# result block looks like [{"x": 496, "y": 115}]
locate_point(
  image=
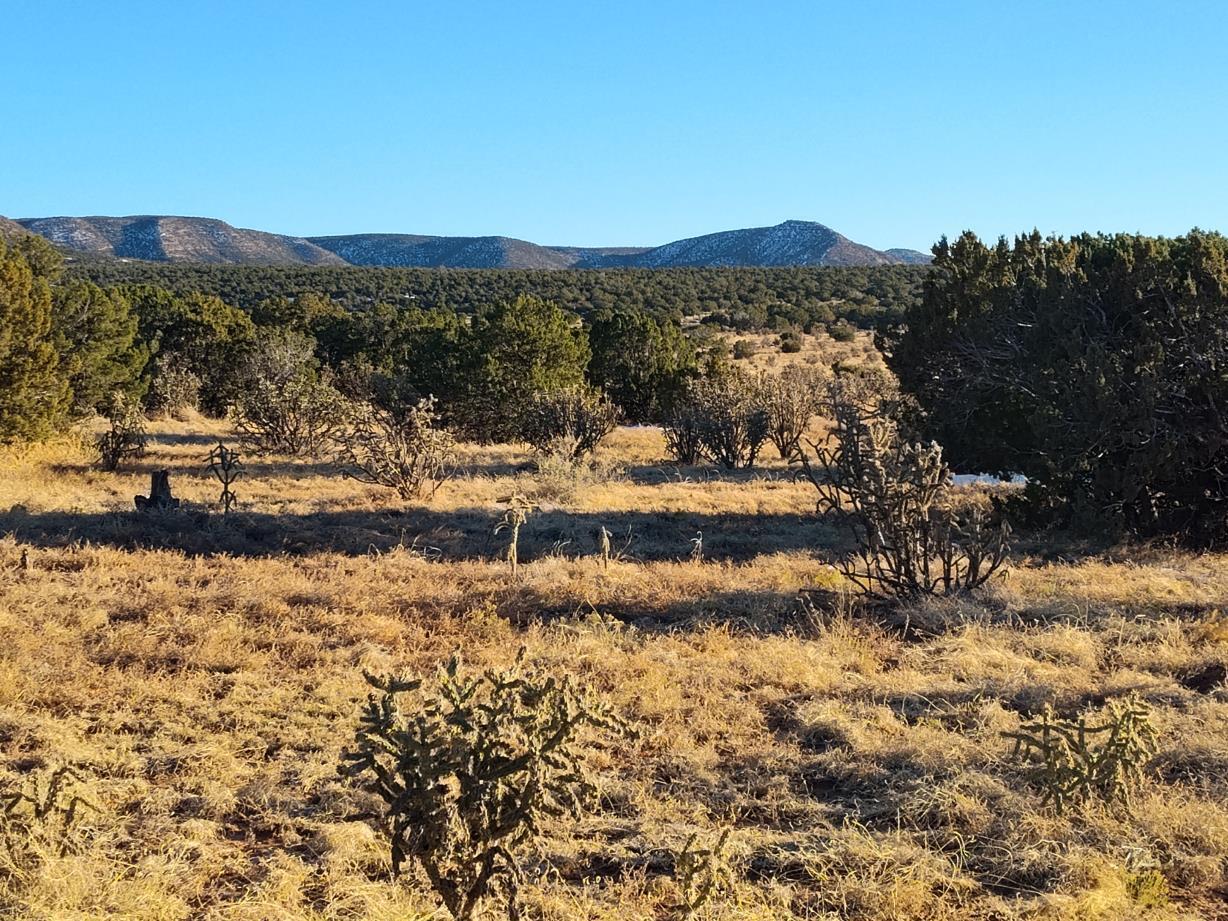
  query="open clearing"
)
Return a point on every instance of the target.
[{"x": 204, "y": 674}]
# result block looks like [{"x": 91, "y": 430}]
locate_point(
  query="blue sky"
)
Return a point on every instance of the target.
[{"x": 626, "y": 123}]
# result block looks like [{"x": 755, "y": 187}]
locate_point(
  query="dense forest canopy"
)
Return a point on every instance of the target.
[
  {"x": 1097, "y": 366},
  {"x": 743, "y": 298}
]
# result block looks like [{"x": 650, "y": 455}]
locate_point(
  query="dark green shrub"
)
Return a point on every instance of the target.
[
  {"x": 96, "y": 336},
  {"x": 842, "y": 331},
  {"x": 34, "y": 392},
  {"x": 791, "y": 342},
  {"x": 210, "y": 337},
  {"x": 639, "y": 361},
  {"x": 514, "y": 352},
  {"x": 1092, "y": 365}
]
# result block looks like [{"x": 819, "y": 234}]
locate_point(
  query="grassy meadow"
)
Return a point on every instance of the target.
[{"x": 203, "y": 675}]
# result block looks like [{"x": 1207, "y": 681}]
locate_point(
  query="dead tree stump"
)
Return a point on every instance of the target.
[{"x": 159, "y": 497}]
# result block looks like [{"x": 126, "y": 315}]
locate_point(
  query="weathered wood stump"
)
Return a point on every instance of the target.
[{"x": 159, "y": 497}]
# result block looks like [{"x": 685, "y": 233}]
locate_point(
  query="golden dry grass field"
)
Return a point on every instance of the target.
[{"x": 203, "y": 675}]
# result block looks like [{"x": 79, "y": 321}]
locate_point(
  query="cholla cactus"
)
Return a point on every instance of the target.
[
  {"x": 516, "y": 514},
  {"x": 895, "y": 497},
  {"x": 1067, "y": 763},
  {"x": 720, "y": 417},
  {"x": 175, "y": 388},
  {"x": 405, "y": 450},
  {"x": 282, "y": 403},
  {"x": 578, "y": 417},
  {"x": 469, "y": 768},
  {"x": 682, "y": 428},
  {"x": 39, "y": 818},
  {"x": 791, "y": 399},
  {"x": 226, "y": 466},
  {"x": 701, "y": 874},
  {"x": 126, "y": 438},
  {"x": 603, "y": 546}
]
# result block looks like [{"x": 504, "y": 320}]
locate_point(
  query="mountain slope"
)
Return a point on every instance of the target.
[
  {"x": 10, "y": 228},
  {"x": 411, "y": 250},
  {"x": 177, "y": 239},
  {"x": 910, "y": 256},
  {"x": 206, "y": 240},
  {"x": 790, "y": 243}
]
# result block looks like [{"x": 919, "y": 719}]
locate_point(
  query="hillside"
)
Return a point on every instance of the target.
[
  {"x": 909, "y": 256},
  {"x": 416, "y": 251},
  {"x": 177, "y": 239},
  {"x": 9, "y": 228},
  {"x": 210, "y": 241},
  {"x": 790, "y": 243}
]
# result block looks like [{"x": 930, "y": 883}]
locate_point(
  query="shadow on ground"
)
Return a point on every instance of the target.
[{"x": 460, "y": 534}]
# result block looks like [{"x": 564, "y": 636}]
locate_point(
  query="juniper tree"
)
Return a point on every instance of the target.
[{"x": 34, "y": 391}]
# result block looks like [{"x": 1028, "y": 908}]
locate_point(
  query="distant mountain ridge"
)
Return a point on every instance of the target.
[
  {"x": 161, "y": 238},
  {"x": 177, "y": 239}
]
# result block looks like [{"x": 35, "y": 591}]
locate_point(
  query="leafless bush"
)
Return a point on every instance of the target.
[
  {"x": 578, "y": 417},
  {"x": 126, "y": 438},
  {"x": 682, "y": 430},
  {"x": 791, "y": 399},
  {"x": 403, "y": 450},
  {"x": 282, "y": 405},
  {"x": 895, "y": 498}
]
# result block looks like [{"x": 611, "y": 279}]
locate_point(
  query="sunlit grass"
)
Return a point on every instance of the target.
[{"x": 204, "y": 675}]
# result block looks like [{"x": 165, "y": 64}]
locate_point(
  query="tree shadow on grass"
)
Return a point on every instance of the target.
[
  {"x": 282, "y": 470},
  {"x": 460, "y": 534},
  {"x": 757, "y": 611}
]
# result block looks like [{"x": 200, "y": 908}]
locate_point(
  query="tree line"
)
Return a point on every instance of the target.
[
  {"x": 742, "y": 298},
  {"x": 1095, "y": 366},
  {"x": 70, "y": 348}
]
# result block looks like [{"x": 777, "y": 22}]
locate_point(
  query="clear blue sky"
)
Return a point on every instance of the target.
[{"x": 621, "y": 123}]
